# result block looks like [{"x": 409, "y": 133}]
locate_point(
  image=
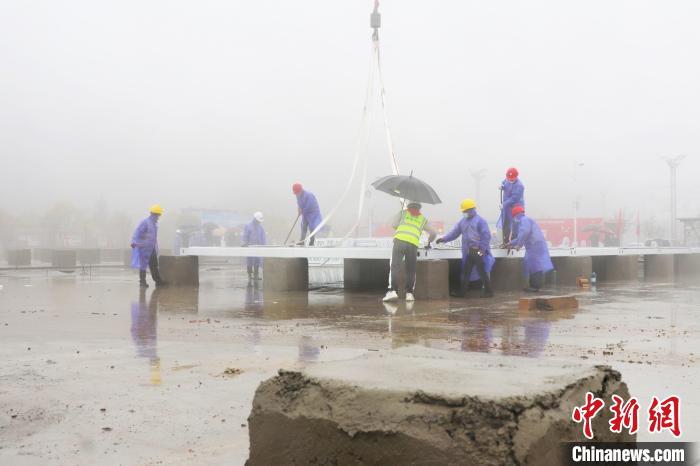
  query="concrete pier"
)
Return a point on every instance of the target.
[
  {"x": 432, "y": 280},
  {"x": 286, "y": 274},
  {"x": 659, "y": 267},
  {"x": 179, "y": 270},
  {"x": 63, "y": 258},
  {"x": 570, "y": 268},
  {"x": 507, "y": 274},
  {"x": 687, "y": 265},
  {"x": 19, "y": 257},
  {"x": 88, "y": 256},
  {"x": 365, "y": 274},
  {"x": 616, "y": 268},
  {"x": 431, "y": 408}
]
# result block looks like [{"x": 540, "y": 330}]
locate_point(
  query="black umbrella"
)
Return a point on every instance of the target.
[{"x": 407, "y": 187}]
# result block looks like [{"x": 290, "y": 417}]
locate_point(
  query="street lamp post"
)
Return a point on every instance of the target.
[
  {"x": 673, "y": 163},
  {"x": 478, "y": 175}
]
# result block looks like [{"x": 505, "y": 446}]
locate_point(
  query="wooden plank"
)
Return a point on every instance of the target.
[{"x": 548, "y": 303}]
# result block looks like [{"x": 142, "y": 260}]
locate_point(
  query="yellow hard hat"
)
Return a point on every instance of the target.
[
  {"x": 467, "y": 204},
  {"x": 156, "y": 209}
]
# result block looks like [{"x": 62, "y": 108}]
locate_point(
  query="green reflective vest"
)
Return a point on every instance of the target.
[{"x": 410, "y": 229}]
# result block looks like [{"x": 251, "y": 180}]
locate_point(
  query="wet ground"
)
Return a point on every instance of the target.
[{"x": 95, "y": 371}]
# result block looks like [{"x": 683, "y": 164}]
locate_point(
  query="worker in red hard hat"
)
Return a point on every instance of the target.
[
  {"x": 309, "y": 211},
  {"x": 537, "y": 261},
  {"x": 512, "y": 194}
]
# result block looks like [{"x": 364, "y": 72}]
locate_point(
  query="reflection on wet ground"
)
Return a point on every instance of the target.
[{"x": 185, "y": 338}]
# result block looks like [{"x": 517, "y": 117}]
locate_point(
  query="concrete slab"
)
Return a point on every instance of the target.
[
  {"x": 179, "y": 270},
  {"x": 660, "y": 268},
  {"x": 434, "y": 409},
  {"x": 285, "y": 274}
]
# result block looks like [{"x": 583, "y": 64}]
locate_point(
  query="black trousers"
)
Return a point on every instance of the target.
[
  {"x": 510, "y": 228},
  {"x": 475, "y": 260},
  {"x": 403, "y": 251},
  {"x": 536, "y": 280},
  {"x": 153, "y": 266},
  {"x": 305, "y": 229}
]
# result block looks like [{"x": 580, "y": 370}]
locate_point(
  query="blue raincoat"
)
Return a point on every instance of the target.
[
  {"x": 536, "y": 251},
  {"x": 145, "y": 239},
  {"x": 310, "y": 211},
  {"x": 475, "y": 234},
  {"x": 253, "y": 234},
  {"x": 513, "y": 194}
]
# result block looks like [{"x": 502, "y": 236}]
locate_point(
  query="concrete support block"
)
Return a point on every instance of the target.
[
  {"x": 365, "y": 274},
  {"x": 63, "y": 258},
  {"x": 570, "y": 268},
  {"x": 126, "y": 257},
  {"x": 687, "y": 265},
  {"x": 432, "y": 279},
  {"x": 179, "y": 270},
  {"x": 111, "y": 255},
  {"x": 660, "y": 267},
  {"x": 285, "y": 274},
  {"x": 19, "y": 257},
  {"x": 42, "y": 255},
  {"x": 88, "y": 256},
  {"x": 403, "y": 408},
  {"x": 616, "y": 268},
  {"x": 507, "y": 274}
]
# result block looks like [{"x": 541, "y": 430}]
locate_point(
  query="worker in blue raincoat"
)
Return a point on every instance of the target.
[
  {"x": 476, "y": 248},
  {"x": 309, "y": 211},
  {"x": 513, "y": 193},
  {"x": 254, "y": 234},
  {"x": 537, "y": 261},
  {"x": 144, "y": 247}
]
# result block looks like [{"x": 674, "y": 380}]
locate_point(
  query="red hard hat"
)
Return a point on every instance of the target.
[
  {"x": 512, "y": 173},
  {"x": 296, "y": 188},
  {"x": 518, "y": 209}
]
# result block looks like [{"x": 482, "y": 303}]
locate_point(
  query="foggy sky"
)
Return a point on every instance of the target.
[{"x": 226, "y": 103}]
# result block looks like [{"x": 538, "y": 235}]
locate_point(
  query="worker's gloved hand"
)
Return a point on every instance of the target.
[
  {"x": 133, "y": 245},
  {"x": 428, "y": 246},
  {"x": 439, "y": 240}
]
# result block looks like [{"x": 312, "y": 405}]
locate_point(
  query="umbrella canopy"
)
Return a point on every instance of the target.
[{"x": 407, "y": 187}]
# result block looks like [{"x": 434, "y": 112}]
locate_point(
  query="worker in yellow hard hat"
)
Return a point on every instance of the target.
[
  {"x": 476, "y": 248},
  {"x": 144, "y": 247}
]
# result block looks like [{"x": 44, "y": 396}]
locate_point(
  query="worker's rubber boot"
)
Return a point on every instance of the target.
[
  {"x": 142, "y": 279},
  {"x": 487, "y": 292},
  {"x": 461, "y": 292},
  {"x": 160, "y": 283}
]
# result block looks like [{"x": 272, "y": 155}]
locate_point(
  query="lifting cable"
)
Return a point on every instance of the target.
[{"x": 362, "y": 144}]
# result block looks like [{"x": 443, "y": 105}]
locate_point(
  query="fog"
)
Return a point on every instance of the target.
[{"x": 224, "y": 104}]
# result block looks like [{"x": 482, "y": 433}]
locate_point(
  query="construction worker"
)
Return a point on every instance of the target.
[
  {"x": 512, "y": 194},
  {"x": 409, "y": 225},
  {"x": 476, "y": 248},
  {"x": 254, "y": 234},
  {"x": 537, "y": 261},
  {"x": 309, "y": 211},
  {"x": 144, "y": 247}
]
